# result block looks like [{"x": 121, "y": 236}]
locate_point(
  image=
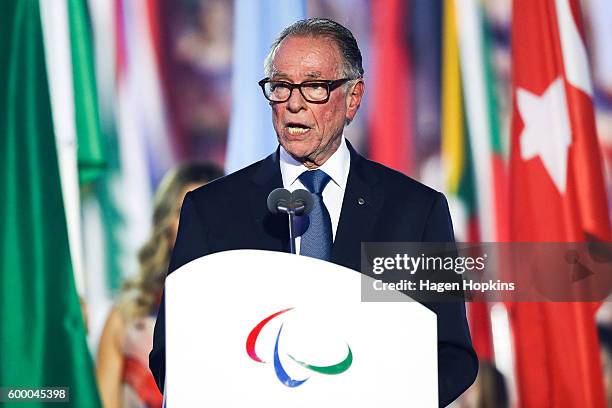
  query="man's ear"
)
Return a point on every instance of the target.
[{"x": 353, "y": 99}]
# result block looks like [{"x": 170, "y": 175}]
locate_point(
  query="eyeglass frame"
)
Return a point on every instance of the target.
[{"x": 331, "y": 84}]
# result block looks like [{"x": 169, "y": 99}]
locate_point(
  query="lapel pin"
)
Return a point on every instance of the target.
[{"x": 361, "y": 201}]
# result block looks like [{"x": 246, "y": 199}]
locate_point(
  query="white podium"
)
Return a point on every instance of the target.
[{"x": 269, "y": 329}]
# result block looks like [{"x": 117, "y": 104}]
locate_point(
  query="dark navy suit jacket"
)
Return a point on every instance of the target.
[{"x": 231, "y": 213}]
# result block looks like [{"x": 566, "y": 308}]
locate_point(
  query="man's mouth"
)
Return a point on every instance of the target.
[{"x": 296, "y": 129}]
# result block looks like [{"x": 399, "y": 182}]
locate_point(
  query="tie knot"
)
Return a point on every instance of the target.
[{"x": 314, "y": 180}]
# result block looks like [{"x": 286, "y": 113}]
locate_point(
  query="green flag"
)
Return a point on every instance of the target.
[
  {"x": 42, "y": 335},
  {"x": 90, "y": 146}
]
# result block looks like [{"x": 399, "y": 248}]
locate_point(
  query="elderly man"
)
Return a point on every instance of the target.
[{"x": 314, "y": 86}]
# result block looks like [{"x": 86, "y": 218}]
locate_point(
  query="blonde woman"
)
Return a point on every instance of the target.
[{"x": 122, "y": 368}]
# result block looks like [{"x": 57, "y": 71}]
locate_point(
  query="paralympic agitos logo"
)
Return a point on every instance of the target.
[{"x": 280, "y": 371}]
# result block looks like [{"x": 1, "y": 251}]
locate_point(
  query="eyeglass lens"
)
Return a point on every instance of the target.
[{"x": 280, "y": 91}]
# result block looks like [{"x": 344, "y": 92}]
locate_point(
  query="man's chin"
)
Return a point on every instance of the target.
[{"x": 297, "y": 150}]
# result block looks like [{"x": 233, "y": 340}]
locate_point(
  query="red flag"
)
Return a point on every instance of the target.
[
  {"x": 391, "y": 103},
  {"x": 557, "y": 195}
]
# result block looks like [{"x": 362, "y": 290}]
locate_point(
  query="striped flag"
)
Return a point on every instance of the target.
[
  {"x": 70, "y": 66},
  {"x": 482, "y": 122},
  {"x": 117, "y": 209},
  {"x": 42, "y": 334},
  {"x": 455, "y": 150},
  {"x": 459, "y": 168},
  {"x": 256, "y": 25}
]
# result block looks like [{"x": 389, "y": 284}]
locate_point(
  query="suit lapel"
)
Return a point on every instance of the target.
[
  {"x": 360, "y": 209},
  {"x": 272, "y": 230}
]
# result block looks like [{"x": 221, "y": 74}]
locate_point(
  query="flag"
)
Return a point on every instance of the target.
[
  {"x": 457, "y": 154},
  {"x": 117, "y": 208},
  {"x": 70, "y": 68},
  {"x": 424, "y": 40},
  {"x": 90, "y": 145},
  {"x": 141, "y": 149},
  {"x": 391, "y": 112},
  {"x": 140, "y": 87},
  {"x": 455, "y": 143},
  {"x": 256, "y": 25},
  {"x": 600, "y": 14},
  {"x": 482, "y": 121},
  {"x": 557, "y": 195},
  {"x": 42, "y": 334}
]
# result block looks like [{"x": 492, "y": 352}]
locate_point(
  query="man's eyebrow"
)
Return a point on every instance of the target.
[
  {"x": 314, "y": 75},
  {"x": 278, "y": 75},
  {"x": 309, "y": 75}
]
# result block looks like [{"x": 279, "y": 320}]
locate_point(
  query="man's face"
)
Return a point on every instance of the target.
[{"x": 311, "y": 132}]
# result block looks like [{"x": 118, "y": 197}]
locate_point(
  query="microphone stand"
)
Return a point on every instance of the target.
[{"x": 291, "y": 211}]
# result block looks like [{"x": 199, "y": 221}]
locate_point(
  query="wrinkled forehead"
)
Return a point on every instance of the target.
[{"x": 307, "y": 57}]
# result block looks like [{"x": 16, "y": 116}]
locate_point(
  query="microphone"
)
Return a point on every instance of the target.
[
  {"x": 300, "y": 202},
  {"x": 278, "y": 200}
]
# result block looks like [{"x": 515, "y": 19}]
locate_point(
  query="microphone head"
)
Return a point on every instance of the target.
[
  {"x": 278, "y": 197},
  {"x": 304, "y": 198}
]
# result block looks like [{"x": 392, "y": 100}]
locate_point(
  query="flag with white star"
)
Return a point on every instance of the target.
[{"x": 557, "y": 194}]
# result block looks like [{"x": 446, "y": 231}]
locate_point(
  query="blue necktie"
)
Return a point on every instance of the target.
[{"x": 316, "y": 242}]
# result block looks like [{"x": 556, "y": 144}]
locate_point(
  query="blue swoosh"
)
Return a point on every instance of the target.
[{"x": 280, "y": 371}]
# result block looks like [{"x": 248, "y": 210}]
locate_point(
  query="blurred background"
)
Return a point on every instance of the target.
[{"x": 123, "y": 91}]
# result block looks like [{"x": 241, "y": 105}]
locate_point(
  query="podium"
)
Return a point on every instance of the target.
[{"x": 270, "y": 329}]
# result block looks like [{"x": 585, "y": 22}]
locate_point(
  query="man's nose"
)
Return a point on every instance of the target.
[{"x": 296, "y": 101}]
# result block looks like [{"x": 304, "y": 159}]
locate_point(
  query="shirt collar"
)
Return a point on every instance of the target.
[{"x": 337, "y": 166}]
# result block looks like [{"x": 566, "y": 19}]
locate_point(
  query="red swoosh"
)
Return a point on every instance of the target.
[{"x": 252, "y": 338}]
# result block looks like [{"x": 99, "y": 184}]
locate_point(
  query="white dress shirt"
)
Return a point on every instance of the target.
[{"x": 337, "y": 168}]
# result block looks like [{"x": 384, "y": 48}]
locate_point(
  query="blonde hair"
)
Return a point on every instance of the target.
[{"x": 140, "y": 294}]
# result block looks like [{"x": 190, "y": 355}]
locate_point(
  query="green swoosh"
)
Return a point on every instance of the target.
[{"x": 332, "y": 369}]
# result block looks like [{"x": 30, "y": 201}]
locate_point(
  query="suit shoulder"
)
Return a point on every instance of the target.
[
  {"x": 227, "y": 186},
  {"x": 403, "y": 185}
]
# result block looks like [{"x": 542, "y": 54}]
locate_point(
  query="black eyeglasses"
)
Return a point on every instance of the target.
[{"x": 312, "y": 91}]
